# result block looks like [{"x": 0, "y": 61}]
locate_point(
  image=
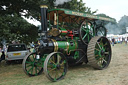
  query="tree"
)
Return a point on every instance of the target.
[
  {"x": 16, "y": 28},
  {"x": 12, "y": 26},
  {"x": 31, "y": 7}
]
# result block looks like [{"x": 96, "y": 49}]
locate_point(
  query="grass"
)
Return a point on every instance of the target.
[{"x": 79, "y": 75}]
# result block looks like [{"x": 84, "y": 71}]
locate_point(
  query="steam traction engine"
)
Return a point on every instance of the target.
[{"x": 68, "y": 38}]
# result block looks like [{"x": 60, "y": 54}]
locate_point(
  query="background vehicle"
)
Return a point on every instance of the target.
[{"x": 16, "y": 52}]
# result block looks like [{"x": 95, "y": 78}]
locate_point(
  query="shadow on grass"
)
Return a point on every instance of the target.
[{"x": 83, "y": 66}]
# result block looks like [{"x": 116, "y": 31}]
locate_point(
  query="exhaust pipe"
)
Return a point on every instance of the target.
[{"x": 44, "y": 9}]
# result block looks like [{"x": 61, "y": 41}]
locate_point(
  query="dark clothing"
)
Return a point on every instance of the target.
[
  {"x": 113, "y": 40},
  {"x": 2, "y": 57}
]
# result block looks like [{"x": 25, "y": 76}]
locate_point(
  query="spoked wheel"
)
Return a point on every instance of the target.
[
  {"x": 99, "y": 52},
  {"x": 33, "y": 64},
  {"x": 101, "y": 31},
  {"x": 86, "y": 32},
  {"x": 55, "y": 66}
]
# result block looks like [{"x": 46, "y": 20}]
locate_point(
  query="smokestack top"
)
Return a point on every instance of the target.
[
  {"x": 43, "y": 6},
  {"x": 44, "y": 9}
]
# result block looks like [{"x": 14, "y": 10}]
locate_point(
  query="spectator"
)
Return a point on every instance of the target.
[
  {"x": 113, "y": 40},
  {"x": 2, "y": 56},
  {"x": 126, "y": 41},
  {"x": 4, "y": 48},
  {"x": 121, "y": 40}
]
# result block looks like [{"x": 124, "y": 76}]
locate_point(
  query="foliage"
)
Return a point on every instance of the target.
[
  {"x": 16, "y": 28},
  {"x": 31, "y": 7},
  {"x": 12, "y": 26}
]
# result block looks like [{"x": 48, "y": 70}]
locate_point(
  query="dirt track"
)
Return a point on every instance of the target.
[{"x": 115, "y": 74}]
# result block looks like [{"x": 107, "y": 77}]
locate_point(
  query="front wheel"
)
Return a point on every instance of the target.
[
  {"x": 55, "y": 66},
  {"x": 32, "y": 64}
]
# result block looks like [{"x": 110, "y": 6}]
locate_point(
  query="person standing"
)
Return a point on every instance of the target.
[
  {"x": 125, "y": 40},
  {"x": 2, "y": 56},
  {"x": 113, "y": 40},
  {"x": 121, "y": 40}
]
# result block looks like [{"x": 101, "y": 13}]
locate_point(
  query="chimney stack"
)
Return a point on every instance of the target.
[{"x": 44, "y": 9}]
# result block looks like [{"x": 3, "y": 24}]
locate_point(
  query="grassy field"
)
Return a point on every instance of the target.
[{"x": 115, "y": 74}]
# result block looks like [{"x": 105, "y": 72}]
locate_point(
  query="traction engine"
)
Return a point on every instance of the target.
[{"x": 68, "y": 38}]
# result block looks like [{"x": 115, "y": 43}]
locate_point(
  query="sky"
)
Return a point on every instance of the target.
[{"x": 113, "y": 8}]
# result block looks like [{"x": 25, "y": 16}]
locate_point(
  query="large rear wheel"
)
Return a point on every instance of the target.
[
  {"x": 99, "y": 52},
  {"x": 55, "y": 66}
]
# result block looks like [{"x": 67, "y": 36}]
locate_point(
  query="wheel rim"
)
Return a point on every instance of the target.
[
  {"x": 86, "y": 31},
  {"x": 55, "y": 66},
  {"x": 99, "y": 52},
  {"x": 101, "y": 31},
  {"x": 31, "y": 65}
]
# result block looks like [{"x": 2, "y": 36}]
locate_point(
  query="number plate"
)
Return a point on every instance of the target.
[{"x": 15, "y": 54}]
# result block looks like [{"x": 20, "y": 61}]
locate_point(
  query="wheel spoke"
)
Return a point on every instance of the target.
[
  {"x": 28, "y": 66},
  {"x": 36, "y": 70},
  {"x": 29, "y": 59},
  {"x": 84, "y": 29},
  {"x": 32, "y": 69},
  {"x": 100, "y": 62},
  {"x": 56, "y": 75},
  {"x": 101, "y": 43},
  {"x": 97, "y": 49},
  {"x": 39, "y": 63},
  {"x": 101, "y": 32},
  {"x": 52, "y": 69},
  {"x": 34, "y": 57},
  {"x": 101, "y": 40},
  {"x": 107, "y": 53},
  {"x": 29, "y": 62},
  {"x": 88, "y": 37},
  {"x": 98, "y": 45},
  {"x": 29, "y": 70},
  {"x": 62, "y": 68},
  {"x": 84, "y": 36},
  {"x": 52, "y": 61},
  {"x": 58, "y": 58},
  {"x": 63, "y": 62},
  {"x": 105, "y": 44},
  {"x": 104, "y": 60}
]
